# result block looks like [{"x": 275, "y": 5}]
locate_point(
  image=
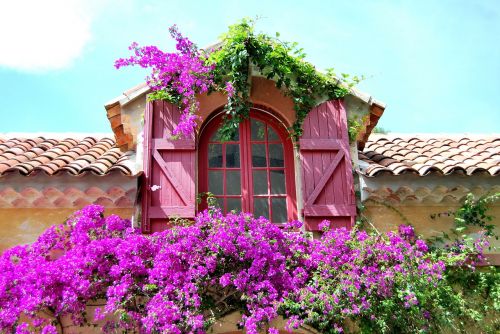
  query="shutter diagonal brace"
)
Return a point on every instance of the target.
[
  {"x": 324, "y": 179},
  {"x": 173, "y": 181}
]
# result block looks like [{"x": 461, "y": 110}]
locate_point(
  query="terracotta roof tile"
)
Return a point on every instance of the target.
[
  {"x": 70, "y": 155},
  {"x": 425, "y": 155}
]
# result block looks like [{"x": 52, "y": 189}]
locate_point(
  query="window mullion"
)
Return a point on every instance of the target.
[
  {"x": 246, "y": 168},
  {"x": 268, "y": 165}
]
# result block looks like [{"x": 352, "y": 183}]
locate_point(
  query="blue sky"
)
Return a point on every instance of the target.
[{"x": 435, "y": 63}]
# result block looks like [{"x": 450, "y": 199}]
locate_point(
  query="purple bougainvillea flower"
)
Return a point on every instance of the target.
[
  {"x": 161, "y": 282},
  {"x": 181, "y": 73}
]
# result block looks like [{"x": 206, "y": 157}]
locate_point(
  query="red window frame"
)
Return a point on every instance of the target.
[{"x": 246, "y": 167}]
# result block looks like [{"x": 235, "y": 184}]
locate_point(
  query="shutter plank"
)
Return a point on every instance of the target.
[
  {"x": 337, "y": 210},
  {"x": 171, "y": 211},
  {"x": 321, "y": 144},
  {"x": 169, "y": 144},
  {"x": 172, "y": 179},
  {"x": 146, "y": 179}
]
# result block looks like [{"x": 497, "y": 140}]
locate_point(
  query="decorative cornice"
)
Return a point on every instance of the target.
[
  {"x": 69, "y": 197},
  {"x": 439, "y": 195}
]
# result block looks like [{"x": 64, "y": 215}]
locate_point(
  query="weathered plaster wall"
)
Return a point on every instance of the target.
[
  {"x": 263, "y": 92},
  {"x": 454, "y": 185},
  {"x": 394, "y": 200},
  {"x": 387, "y": 219},
  {"x": 22, "y": 226},
  {"x": 229, "y": 325},
  {"x": 30, "y": 204}
]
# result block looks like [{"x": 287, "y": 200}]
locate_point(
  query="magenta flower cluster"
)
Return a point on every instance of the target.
[
  {"x": 183, "y": 279},
  {"x": 353, "y": 274},
  {"x": 157, "y": 283},
  {"x": 182, "y": 74}
]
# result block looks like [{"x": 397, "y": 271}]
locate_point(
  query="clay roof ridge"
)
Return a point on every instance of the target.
[
  {"x": 128, "y": 95},
  {"x": 429, "y": 135},
  {"x": 56, "y": 135}
]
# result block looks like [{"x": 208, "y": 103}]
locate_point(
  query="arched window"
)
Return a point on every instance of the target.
[{"x": 254, "y": 171}]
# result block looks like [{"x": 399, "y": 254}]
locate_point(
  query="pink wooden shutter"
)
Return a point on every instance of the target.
[
  {"x": 169, "y": 164},
  {"x": 327, "y": 181}
]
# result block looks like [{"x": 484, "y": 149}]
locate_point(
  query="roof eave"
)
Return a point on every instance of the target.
[{"x": 124, "y": 142}]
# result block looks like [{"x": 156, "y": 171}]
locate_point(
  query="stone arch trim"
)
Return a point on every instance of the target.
[{"x": 209, "y": 117}]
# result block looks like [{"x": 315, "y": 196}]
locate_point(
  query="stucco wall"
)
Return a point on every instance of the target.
[
  {"x": 386, "y": 219},
  {"x": 22, "y": 226},
  {"x": 30, "y": 204},
  {"x": 393, "y": 200},
  {"x": 264, "y": 92}
]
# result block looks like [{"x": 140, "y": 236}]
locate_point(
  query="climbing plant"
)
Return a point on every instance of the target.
[
  {"x": 184, "y": 279},
  {"x": 472, "y": 213},
  {"x": 476, "y": 293},
  {"x": 228, "y": 67}
]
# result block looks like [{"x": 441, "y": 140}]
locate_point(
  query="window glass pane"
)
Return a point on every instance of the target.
[
  {"x": 259, "y": 182},
  {"x": 233, "y": 184},
  {"x": 233, "y": 204},
  {"x": 260, "y": 207},
  {"x": 277, "y": 182},
  {"x": 220, "y": 203},
  {"x": 215, "y": 182},
  {"x": 258, "y": 130},
  {"x": 232, "y": 155},
  {"x": 276, "y": 155},
  {"x": 214, "y": 155},
  {"x": 279, "y": 210},
  {"x": 271, "y": 134},
  {"x": 259, "y": 155}
]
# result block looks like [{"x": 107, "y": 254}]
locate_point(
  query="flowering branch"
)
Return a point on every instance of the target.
[
  {"x": 182, "y": 74},
  {"x": 183, "y": 279}
]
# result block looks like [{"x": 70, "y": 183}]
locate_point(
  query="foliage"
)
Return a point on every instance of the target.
[
  {"x": 354, "y": 126},
  {"x": 242, "y": 50},
  {"x": 472, "y": 213},
  {"x": 476, "y": 292},
  {"x": 381, "y": 130},
  {"x": 475, "y": 297},
  {"x": 183, "y": 279},
  {"x": 228, "y": 66}
]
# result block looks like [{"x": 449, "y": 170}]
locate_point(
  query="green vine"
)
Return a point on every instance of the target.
[
  {"x": 354, "y": 127},
  {"x": 242, "y": 51},
  {"x": 474, "y": 294},
  {"x": 467, "y": 300},
  {"x": 391, "y": 207},
  {"x": 473, "y": 212}
]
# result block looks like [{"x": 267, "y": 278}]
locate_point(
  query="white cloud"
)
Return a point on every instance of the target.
[{"x": 42, "y": 35}]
